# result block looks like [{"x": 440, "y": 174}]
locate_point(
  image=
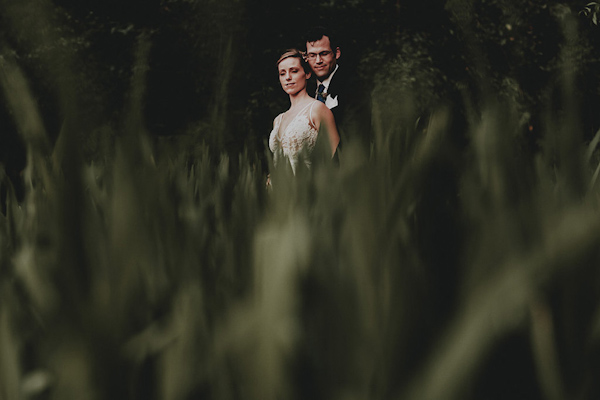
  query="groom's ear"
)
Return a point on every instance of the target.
[{"x": 337, "y": 53}]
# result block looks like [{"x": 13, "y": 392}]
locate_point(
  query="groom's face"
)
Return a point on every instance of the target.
[{"x": 321, "y": 57}]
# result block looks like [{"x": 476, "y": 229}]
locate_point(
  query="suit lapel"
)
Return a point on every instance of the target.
[
  {"x": 336, "y": 85},
  {"x": 311, "y": 87}
]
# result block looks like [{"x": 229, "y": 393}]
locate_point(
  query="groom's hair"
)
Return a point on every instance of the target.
[{"x": 317, "y": 32}]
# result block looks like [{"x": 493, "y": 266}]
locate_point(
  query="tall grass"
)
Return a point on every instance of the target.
[{"x": 409, "y": 271}]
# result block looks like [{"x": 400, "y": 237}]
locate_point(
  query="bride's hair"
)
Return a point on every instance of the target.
[{"x": 297, "y": 54}]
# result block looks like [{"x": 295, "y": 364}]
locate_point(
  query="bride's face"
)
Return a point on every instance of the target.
[{"x": 292, "y": 76}]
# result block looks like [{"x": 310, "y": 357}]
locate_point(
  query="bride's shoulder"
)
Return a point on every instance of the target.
[
  {"x": 319, "y": 107},
  {"x": 277, "y": 119},
  {"x": 316, "y": 104}
]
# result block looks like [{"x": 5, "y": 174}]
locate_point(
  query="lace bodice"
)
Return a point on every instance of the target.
[{"x": 298, "y": 139}]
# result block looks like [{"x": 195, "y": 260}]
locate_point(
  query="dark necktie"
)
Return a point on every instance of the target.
[{"x": 320, "y": 90}]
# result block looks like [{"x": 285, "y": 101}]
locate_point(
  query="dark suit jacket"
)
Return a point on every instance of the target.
[{"x": 353, "y": 112}]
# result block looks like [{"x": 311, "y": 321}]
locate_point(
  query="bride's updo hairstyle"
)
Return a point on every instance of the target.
[{"x": 297, "y": 54}]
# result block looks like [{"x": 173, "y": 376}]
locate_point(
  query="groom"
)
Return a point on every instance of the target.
[{"x": 335, "y": 86}]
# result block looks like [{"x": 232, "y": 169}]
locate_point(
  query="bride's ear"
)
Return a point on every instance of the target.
[{"x": 308, "y": 74}]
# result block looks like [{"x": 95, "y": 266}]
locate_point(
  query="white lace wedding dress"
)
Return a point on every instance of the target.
[{"x": 298, "y": 139}]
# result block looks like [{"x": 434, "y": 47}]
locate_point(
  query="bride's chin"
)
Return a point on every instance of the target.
[{"x": 294, "y": 91}]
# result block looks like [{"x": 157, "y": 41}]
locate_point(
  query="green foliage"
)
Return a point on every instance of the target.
[
  {"x": 409, "y": 79},
  {"x": 165, "y": 268},
  {"x": 591, "y": 11}
]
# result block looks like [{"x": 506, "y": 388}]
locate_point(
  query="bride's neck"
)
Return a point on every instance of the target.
[{"x": 298, "y": 98}]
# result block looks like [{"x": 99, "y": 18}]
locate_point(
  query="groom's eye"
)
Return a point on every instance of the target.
[{"x": 322, "y": 54}]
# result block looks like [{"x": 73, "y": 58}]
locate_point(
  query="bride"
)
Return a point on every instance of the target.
[{"x": 295, "y": 131}]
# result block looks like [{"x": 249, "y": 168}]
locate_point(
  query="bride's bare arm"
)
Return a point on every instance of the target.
[{"x": 325, "y": 118}]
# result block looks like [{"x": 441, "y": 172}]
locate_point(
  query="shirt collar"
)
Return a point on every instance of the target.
[{"x": 327, "y": 81}]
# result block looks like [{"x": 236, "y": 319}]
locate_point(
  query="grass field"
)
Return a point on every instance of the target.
[{"x": 447, "y": 261}]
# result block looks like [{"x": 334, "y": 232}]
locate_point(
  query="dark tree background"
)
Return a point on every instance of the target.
[
  {"x": 210, "y": 66},
  {"x": 214, "y": 61}
]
